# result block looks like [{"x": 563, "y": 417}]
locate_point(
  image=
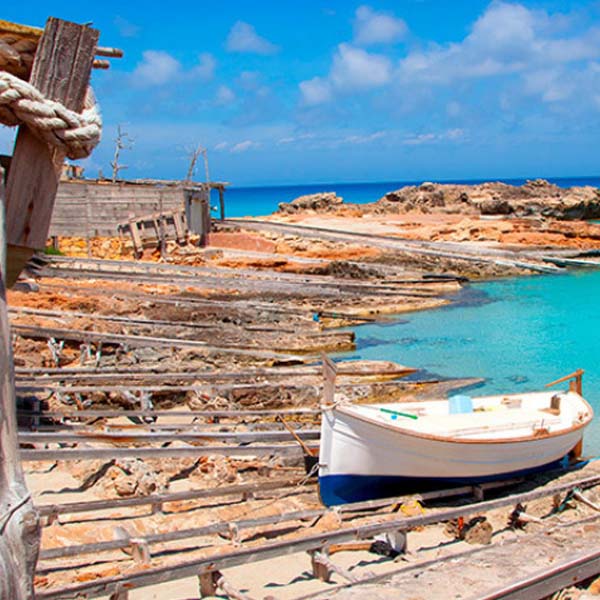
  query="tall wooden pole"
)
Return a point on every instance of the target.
[
  {"x": 19, "y": 524},
  {"x": 61, "y": 71}
]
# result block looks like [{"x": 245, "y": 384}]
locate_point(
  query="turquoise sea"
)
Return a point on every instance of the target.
[
  {"x": 260, "y": 201},
  {"x": 517, "y": 334}
]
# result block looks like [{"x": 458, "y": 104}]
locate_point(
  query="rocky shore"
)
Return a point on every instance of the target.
[{"x": 205, "y": 358}]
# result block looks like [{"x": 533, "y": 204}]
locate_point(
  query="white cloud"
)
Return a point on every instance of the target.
[
  {"x": 157, "y": 68},
  {"x": 293, "y": 139},
  {"x": 427, "y": 138},
  {"x": 354, "y": 68},
  {"x": 506, "y": 39},
  {"x": 316, "y": 91},
  {"x": 364, "y": 139},
  {"x": 224, "y": 96},
  {"x": 205, "y": 69},
  {"x": 125, "y": 27},
  {"x": 417, "y": 140},
  {"x": 244, "y": 146},
  {"x": 221, "y": 146},
  {"x": 372, "y": 27},
  {"x": 243, "y": 38}
]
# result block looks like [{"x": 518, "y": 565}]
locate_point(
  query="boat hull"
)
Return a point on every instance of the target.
[
  {"x": 361, "y": 460},
  {"x": 342, "y": 489}
]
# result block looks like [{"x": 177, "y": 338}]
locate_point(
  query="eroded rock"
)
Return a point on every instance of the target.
[{"x": 320, "y": 202}]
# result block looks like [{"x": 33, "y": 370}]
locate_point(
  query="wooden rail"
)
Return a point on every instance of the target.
[
  {"x": 118, "y": 437},
  {"x": 158, "y": 500},
  {"x": 193, "y": 451},
  {"x": 142, "y": 340},
  {"x": 313, "y": 542}
]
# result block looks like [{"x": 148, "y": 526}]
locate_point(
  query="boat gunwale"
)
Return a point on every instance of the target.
[{"x": 344, "y": 409}]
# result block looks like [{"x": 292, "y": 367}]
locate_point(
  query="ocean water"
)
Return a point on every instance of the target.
[
  {"x": 260, "y": 201},
  {"x": 517, "y": 334}
]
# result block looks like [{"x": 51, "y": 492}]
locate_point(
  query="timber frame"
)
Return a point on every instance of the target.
[{"x": 58, "y": 63}]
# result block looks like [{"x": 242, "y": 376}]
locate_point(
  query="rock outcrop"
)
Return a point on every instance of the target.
[
  {"x": 320, "y": 202},
  {"x": 534, "y": 198}
]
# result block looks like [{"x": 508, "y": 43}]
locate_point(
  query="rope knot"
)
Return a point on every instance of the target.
[{"x": 21, "y": 103}]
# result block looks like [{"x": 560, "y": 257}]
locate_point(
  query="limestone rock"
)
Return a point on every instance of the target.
[
  {"x": 534, "y": 198},
  {"x": 495, "y": 206},
  {"x": 320, "y": 202}
]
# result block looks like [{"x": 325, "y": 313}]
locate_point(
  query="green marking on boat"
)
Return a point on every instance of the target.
[{"x": 398, "y": 413}]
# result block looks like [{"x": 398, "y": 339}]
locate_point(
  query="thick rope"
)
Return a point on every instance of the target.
[
  {"x": 22, "y": 103},
  {"x": 16, "y": 54}
]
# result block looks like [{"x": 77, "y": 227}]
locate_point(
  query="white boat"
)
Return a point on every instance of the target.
[{"x": 379, "y": 450}]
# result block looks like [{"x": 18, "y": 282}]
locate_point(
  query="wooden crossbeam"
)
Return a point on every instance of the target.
[
  {"x": 313, "y": 542},
  {"x": 193, "y": 451},
  {"x": 61, "y": 71},
  {"x": 189, "y": 437},
  {"x": 159, "y": 500},
  {"x": 76, "y": 335}
]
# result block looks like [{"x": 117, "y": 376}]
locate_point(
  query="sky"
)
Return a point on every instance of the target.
[{"x": 341, "y": 91}]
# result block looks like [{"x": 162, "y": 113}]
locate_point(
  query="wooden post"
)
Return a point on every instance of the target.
[
  {"x": 19, "y": 522},
  {"x": 205, "y": 208},
  {"x": 207, "y": 583},
  {"x": 61, "y": 71},
  {"x": 320, "y": 568},
  {"x": 222, "y": 203}
]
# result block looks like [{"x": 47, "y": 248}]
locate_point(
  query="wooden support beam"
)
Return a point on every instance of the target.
[
  {"x": 314, "y": 542},
  {"x": 323, "y": 567},
  {"x": 143, "y": 340},
  {"x": 151, "y": 437},
  {"x": 320, "y": 567},
  {"x": 193, "y": 451},
  {"x": 207, "y": 583},
  {"x": 19, "y": 523},
  {"x": 222, "y": 203},
  {"x": 61, "y": 71},
  {"x": 159, "y": 500}
]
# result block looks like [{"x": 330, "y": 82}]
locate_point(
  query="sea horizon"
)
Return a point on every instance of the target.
[
  {"x": 459, "y": 181},
  {"x": 262, "y": 200}
]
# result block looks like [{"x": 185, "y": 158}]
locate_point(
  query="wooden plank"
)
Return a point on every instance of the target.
[
  {"x": 193, "y": 451},
  {"x": 19, "y": 530},
  {"x": 161, "y": 499},
  {"x": 61, "y": 71},
  {"x": 137, "y": 372},
  {"x": 306, "y": 543},
  {"x": 109, "y": 414},
  {"x": 188, "y": 437},
  {"x": 142, "y": 340}
]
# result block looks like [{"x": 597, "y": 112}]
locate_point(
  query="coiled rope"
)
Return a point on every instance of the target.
[{"x": 77, "y": 134}]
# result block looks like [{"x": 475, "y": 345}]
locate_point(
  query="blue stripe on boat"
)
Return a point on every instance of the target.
[{"x": 341, "y": 489}]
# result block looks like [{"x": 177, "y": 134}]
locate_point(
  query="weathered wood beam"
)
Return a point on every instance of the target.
[
  {"x": 19, "y": 523},
  {"x": 61, "y": 71},
  {"x": 313, "y": 542},
  {"x": 126, "y": 413},
  {"x": 143, "y": 340},
  {"x": 160, "y": 499},
  {"x": 194, "y": 451},
  {"x": 135, "y": 437}
]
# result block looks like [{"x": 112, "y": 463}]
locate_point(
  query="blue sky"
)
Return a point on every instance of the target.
[{"x": 299, "y": 92}]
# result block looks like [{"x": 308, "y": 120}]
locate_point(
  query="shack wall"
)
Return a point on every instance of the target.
[{"x": 89, "y": 209}]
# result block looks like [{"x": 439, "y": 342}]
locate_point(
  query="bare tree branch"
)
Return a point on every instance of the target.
[{"x": 123, "y": 141}]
